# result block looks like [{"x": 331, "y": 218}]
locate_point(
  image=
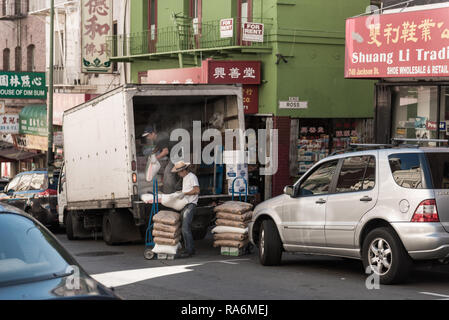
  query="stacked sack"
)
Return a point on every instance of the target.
[
  {"x": 166, "y": 232},
  {"x": 232, "y": 224}
]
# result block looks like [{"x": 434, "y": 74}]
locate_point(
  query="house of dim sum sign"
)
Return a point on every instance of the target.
[{"x": 409, "y": 44}]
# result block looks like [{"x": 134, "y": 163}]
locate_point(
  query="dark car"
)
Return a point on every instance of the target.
[
  {"x": 34, "y": 265},
  {"x": 35, "y": 193}
]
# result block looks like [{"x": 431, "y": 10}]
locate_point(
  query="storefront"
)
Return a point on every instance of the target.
[{"x": 408, "y": 52}]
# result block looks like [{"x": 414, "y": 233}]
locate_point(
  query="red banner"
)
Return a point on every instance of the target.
[
  {"x": 250, "y": 99},
  {"x": 408, "y": 44}
]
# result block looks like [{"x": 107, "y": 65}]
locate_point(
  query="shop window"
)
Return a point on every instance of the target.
[
  {"x": 415, "y": 112},
  {"x": 356, "y": 174},
  {"x": 6, "y": 59}
]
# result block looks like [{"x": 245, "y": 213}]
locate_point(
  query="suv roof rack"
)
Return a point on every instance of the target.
[
  {"x": 362, "y": 146},
  {"x": 396, "y": 141}
]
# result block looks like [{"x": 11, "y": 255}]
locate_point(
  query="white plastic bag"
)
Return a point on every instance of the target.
[
  {"x": 226, "y": 229},
  {"x": 149, "y": 198},
  {"x": 161, "y": 248},
  {"x": 152, "y": 168},
  {"x": 174, "y": 201}
]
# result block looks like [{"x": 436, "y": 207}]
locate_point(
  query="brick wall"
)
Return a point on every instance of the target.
[
  {"x": 282, "y": 176},
  {"x": 23, "y": 32}
]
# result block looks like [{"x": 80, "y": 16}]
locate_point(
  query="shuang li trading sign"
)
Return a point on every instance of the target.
[
  {"x": 408, "y": 44},
  {"x": 96, "y": 26}
]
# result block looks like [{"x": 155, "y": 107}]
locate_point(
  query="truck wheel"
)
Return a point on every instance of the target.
[
  {"x": 270, "y": 245},
  {"x": 386, "y": 257},
  {"x": 108, "y": 224},
  {"x": 69, "y": 226}
]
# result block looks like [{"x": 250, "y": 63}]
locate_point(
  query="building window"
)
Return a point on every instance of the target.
[
  {"x": 6, "y": 59},
  {"x": 18, "y": 59},
  {"x": 114, "y": 46},
  {"x": 244, "y": 14},
  {"x": 17, "y": 5},
  {"x": 3, "y": 7},
  {"x": 152, "y": 25},
  {"x": 30, "y": 58}
]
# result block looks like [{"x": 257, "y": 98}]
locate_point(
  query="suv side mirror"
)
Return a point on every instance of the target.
[{"x": 289, "y": 190}]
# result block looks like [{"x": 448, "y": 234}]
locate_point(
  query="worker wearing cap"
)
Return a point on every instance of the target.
[
  {"x": 162, "y": 151},
  {"x": 190, "y": 191}
]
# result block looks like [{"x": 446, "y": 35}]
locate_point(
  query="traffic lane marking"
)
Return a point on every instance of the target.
[
  {"x": 446, "y": 297},
  {"x": 126, "y": 277}
]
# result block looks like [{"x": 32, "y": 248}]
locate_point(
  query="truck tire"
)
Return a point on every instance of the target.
[
  {"x": 69, "y": 226},
  {"x": 270, "y": 245},
  {"x": 384, "y": 254},
  {"x": 108, "y": 229}
]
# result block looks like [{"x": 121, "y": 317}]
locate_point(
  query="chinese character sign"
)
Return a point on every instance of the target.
[
  {"x": 406, "y": 44},
  {"x": 96, "y": 26},
  {"x": 230, "y": 72},
  {"x": 9, "y": 123},
  {"x": 22, "y": 85}
]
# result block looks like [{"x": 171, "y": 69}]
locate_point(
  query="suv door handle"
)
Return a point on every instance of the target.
[
  {"x": 366, "y": 199},
  {"x": 320, "y": 201}
]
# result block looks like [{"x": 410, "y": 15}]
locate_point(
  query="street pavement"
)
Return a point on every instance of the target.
[{"x": 210, "y": 276}]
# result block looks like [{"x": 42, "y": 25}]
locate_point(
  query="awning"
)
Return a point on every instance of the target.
[
  {"x": 14, "y": 154},
  {"x": 33, "y": 120}
]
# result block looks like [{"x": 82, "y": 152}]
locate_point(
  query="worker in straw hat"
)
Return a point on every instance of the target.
[{"x": 190, "y": 190}]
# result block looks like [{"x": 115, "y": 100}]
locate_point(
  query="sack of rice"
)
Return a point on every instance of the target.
[
  {"x": 234, "y": 207},
  {"x": 237, "y": 217},
  {"x": 166, "y": 228},
  {"x": 167, "y": 217},
  {"x": 168, "y": 235},
  {"x": 224, "y": 229},
  {"x": 166, "y": 241},
  {"x": 230, "y": 236},
  {"x": 230, "y": 243},
  {"x": 161, "y": 248},
  {"x": 231, "y": 223}
]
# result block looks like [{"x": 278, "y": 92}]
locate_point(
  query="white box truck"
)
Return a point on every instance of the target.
[{"x": 104, "y": 159}]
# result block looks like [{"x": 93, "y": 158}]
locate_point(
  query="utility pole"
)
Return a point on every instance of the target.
[{"x": 50, "y": 155}]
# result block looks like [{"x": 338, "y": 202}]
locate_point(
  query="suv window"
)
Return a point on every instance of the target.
[
  {"x": 13, "y": 184},
  {"x": 319, "y": 181},
  {"x": 438, "y": 163},
  {"x": 407, "y": 169},
  {"x": 24, "y": 182},
  {"x": 357, "y": 173},
  {"x": 38, "y": 182}
]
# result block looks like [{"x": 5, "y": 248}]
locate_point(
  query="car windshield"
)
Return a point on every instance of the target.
[{"x": 28, "y": 252}]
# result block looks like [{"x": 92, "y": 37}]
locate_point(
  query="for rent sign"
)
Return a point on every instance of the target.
[{"x": 407, "y": 44}]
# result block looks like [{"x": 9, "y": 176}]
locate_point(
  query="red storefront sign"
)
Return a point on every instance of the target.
[
  {"x": 407, "y": 44},
  {"x": 250, "y": 99},
  {"x": 229, "y": 72},
  {"x": 246, "y": 73}
]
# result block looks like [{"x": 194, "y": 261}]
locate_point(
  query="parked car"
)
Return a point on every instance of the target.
[
  {"x": 34, "y": 265},
  {"x": 388, "y": 207},
  {"x": 3, "y": 183},
  {"x": 35, "y": 193}
]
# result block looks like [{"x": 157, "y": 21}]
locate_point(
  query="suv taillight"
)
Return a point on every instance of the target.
[{"x": 426, "y": 212}]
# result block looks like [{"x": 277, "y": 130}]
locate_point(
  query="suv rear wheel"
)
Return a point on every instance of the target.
[
  {"x": 270, "y": 245},
  {"x": 385, "y": 255}
]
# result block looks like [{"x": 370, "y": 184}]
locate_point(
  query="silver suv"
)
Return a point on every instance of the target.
[{"x": 386, "y": 207}]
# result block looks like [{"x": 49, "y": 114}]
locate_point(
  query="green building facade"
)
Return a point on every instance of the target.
[{"x": 302, "y": 58}]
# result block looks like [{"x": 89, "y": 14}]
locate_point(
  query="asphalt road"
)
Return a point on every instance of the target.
[{"x": 210, "y": 276}]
